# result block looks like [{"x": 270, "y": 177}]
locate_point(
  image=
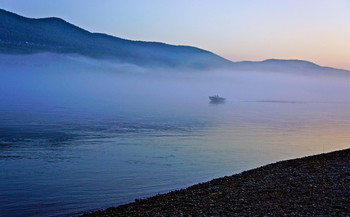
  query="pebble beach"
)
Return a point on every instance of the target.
[{"x": 311, "y": 186}]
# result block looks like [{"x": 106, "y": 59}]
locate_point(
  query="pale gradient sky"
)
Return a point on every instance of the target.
[{"x": 314, "y": 30}]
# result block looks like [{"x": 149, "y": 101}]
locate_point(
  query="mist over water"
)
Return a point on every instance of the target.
[{"x": 79, "y": 134}]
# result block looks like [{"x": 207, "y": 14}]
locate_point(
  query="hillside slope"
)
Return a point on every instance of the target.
[{"x": 20, "y": 35}]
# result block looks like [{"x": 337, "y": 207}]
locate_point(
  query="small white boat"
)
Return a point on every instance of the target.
[{"x": 216, "y": 99}]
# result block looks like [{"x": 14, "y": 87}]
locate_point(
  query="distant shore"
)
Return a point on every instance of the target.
[{"x": 311, "y": 186}]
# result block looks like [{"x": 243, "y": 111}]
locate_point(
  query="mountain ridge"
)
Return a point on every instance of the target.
[{"x": 22, "y": 35}]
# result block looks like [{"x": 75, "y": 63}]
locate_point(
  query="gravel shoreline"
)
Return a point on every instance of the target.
[{"x": 311, "y": 186}]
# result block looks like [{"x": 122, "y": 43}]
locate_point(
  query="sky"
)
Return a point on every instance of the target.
[{"x": 313, "y": 30}]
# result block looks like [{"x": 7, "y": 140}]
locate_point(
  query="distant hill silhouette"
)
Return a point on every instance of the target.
[
  {"x": 21, "y": 35},
  {"x": 280, "y": 65}
]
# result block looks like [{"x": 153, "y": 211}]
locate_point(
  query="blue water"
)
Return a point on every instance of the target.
[
  {"x": 68, "y": 162},
  {"x": 71, "y": 144}
]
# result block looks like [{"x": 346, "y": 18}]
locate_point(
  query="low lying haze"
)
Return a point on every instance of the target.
[{"x": 72, "y": 80}]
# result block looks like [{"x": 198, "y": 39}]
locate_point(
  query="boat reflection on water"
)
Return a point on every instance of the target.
[{"x": 216, "y": 99}]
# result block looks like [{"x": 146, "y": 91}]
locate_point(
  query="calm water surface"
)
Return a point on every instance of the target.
[{"x": 62, "y": 158}]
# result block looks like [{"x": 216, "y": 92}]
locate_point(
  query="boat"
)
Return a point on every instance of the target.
[{"x": 216, "y": 99}]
